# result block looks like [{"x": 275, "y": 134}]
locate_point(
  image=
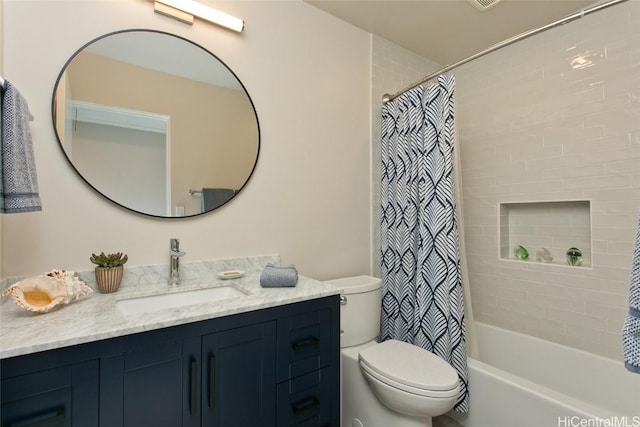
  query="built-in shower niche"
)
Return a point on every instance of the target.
[{"x": 556, "y": 226}]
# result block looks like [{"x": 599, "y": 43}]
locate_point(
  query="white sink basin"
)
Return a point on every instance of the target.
[{"x": 177, "y": 299}]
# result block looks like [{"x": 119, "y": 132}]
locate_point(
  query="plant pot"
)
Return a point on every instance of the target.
[{"x": 108, "y": 279}]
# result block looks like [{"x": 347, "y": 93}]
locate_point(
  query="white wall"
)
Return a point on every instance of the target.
[
  {"x": 555, "y": 117},
  {"x": 139, "y": 158},
  {"x": 309, "y": 198}
]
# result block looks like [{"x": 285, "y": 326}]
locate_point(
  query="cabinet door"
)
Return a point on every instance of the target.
[
  {"x": 238, "y": 382},
  {"x": 142, "y": 387},
  {"x": 59, "y": 397}
]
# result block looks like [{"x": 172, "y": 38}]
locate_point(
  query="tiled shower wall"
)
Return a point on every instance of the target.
[
  {"x": 555, "y": 117},
  {"x": 551, "y": 226}
]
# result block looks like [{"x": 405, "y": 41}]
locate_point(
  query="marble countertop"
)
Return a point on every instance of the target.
[{"x": 96, "y": 316}]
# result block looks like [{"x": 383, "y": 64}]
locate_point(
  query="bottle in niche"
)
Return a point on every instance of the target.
[
  {"x": 521, "y": 253},
  {"x": 574, "y": 257}
]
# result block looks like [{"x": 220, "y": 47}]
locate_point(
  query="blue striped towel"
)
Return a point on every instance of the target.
[
  {"x": 631, "y": 330},
  {"x": 18, "y": 179}
]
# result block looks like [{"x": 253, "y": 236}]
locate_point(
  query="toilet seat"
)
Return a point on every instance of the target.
[
  {"x": 410, "y": 368},
  {"x": 446, "y": 394}
]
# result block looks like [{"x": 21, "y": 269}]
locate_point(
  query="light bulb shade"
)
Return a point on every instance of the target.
[{"x": 204, "y": 12}]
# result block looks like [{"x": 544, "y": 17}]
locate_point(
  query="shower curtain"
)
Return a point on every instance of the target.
[{"x": 422, "y": 299}]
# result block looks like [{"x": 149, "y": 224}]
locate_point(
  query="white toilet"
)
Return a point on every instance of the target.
[{"x": 389, "y": 384}]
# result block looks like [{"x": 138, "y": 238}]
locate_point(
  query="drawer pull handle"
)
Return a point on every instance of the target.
[
  {"x": 55, "y": 416},
  {"x": 193, "y": 385},
  {"x": 212, "y": 381},
  {"x": 305, "y": 342},
  {"x": 306, "y": 404}
]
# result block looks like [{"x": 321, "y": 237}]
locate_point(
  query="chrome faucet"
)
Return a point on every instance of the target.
[{"x": 174, "y": 262}]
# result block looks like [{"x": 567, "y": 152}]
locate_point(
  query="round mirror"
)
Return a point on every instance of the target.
[{"x": 156, "y": 123}]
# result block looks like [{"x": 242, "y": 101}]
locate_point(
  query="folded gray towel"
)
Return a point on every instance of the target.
[
  {"x": 276, "y": 277},
  {"x": 18, "y": 178}
]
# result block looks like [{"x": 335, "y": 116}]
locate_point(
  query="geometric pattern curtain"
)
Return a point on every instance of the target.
[
  {"x": 631, "y": 329},
  {"x": 422, "y": 300}
]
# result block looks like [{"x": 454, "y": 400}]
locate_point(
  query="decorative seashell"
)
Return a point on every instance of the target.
[{"x": 41, "y": 294}]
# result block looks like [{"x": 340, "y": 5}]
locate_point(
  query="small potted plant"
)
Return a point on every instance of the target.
[{"x": 109, "y": 270}]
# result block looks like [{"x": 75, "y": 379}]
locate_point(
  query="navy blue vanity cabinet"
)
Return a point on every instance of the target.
[
  {"x": 308, "y": 391},
  {"x": 142, "y": 386},
  {"x": 238, "y": 377},
  {"x": 220, "y": 379},
  {"x": 215, "y": 373},
  {"x": 34, "y": 394},
  {"x": 275, "y": 367}
]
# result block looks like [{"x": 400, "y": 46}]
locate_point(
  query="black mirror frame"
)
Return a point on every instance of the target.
[{"x": 53, "y": 121}]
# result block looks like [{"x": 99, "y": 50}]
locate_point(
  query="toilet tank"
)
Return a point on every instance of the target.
[{"x": 360, "y": 305}]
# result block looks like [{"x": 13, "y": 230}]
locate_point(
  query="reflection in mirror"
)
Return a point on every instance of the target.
[{"x": 156, "y": 123}]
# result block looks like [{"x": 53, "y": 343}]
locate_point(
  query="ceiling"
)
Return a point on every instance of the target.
[{"x": 446, "y": 31}]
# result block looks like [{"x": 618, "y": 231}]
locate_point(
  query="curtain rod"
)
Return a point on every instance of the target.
[{"x": 386, "y": 97}]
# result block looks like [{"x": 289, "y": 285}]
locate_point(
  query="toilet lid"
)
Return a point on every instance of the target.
[{"x": 411, "y": 365}]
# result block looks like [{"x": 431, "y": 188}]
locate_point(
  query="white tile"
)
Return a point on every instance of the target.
[
  {"x": 573, "y": 318},
  {"x": 566, "y": 304},
  {"x": 612, "y": 260},
  {"x": 588, "y": 114},
  {"x": 629, "y": 166}
]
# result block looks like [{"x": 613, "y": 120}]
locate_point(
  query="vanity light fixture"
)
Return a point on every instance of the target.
[{"x": 185, "y": 10}]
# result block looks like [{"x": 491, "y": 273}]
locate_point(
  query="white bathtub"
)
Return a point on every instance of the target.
[{"x": 528, "y": 382}]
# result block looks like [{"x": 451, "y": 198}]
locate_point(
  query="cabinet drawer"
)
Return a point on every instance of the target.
[
  {"x": 42, "y": 398},
  {"x": 304, "y": 344},
  {"x": 58, "y": 397},
  {"x": 305, "y": 401}
]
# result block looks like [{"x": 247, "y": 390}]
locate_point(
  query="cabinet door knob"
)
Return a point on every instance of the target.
[{"x": 212, "y": 380}]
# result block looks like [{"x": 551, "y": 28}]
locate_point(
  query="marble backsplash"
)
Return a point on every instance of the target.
[{"x": 190, "y": 272}]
